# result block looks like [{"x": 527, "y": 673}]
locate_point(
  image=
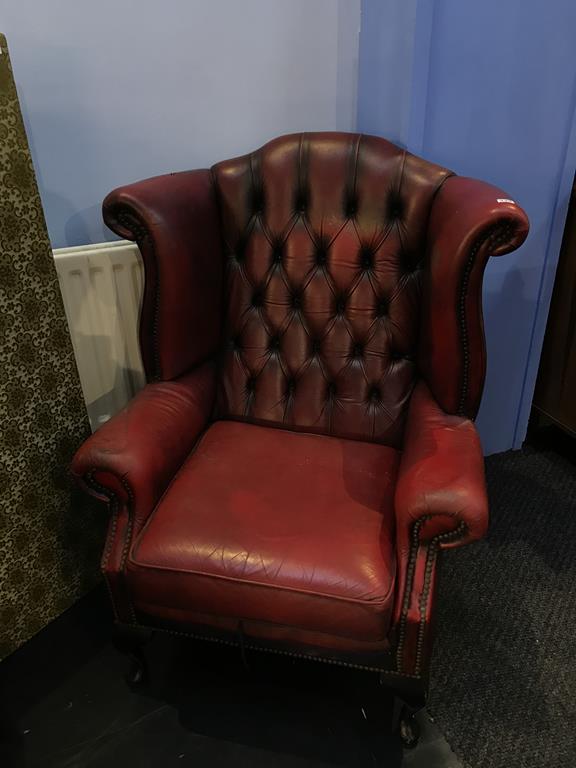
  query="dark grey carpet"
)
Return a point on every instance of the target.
[{"x": 503, "y": 689}]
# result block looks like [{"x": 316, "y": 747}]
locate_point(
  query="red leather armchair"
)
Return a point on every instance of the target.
[{"x": 312, "y": 337}]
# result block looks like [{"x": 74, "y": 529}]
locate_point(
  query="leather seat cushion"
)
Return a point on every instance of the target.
[{"x": 267, "y": 525}]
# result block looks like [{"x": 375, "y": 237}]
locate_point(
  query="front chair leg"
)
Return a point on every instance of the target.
[
  {"x": 130, "y": 640},
  {"x": 407, "y": 703},
  {"x": 408, "y": 726}
]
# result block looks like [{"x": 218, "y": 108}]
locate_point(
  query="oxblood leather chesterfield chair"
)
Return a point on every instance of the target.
[{"x": 312, "y": 337}]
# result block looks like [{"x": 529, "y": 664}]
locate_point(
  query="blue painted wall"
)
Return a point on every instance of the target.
[
  {"x": 490, "y": 92},
  {"x": 117, "y": 90}
]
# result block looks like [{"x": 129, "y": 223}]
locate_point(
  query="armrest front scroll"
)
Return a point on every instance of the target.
[
  {"x": 174, "y": 219},
  {"x": 441, "y": 485},
  {"x": 134, "y": 456},
  {"x": 440, "y": 502}
]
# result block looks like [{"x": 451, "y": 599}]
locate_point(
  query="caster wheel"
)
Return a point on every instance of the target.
[{"x": 409, "y": 730}]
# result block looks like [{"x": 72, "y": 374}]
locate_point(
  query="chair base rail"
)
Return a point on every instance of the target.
[
  {"x": 412, "y": 690},
  {"x": 409, "y": 693}
]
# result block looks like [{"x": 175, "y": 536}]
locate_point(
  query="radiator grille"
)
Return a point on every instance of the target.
[{"x": 102, "y": 291}]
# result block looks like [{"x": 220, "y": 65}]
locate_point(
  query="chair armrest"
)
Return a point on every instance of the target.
[
  {"x": 441, "y": 486},
  {"x": 469, "y": 222},
  {"x": 133, "y": 457},
  {"x": 174, "y": 219}
]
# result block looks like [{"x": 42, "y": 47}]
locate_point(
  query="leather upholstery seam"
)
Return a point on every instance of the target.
[
  {"x": 112, "y": 534},
  {"x": 225, "y": 249},
  {"x": 113, "y": 500},
  {"x": 173, "y": 479},
  {"x": 387, "y": 671},
  {"x": 412, "y": 555},
  {"x": 293, "y": 654},
  {"x": 380, "y": 604},
  {"x": 426, "y": 590},
  {"x": 431, "y": 554},
  {"x": 449, "y": 175}
]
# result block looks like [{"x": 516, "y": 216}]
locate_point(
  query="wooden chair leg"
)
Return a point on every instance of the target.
[
  {"x": 408, "y": 726},
  {"x": 408, "y": 701},
  {"x": 130, "y": 641}
]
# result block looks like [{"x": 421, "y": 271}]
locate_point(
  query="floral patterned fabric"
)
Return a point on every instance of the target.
[{"x": 49, "y": 536}]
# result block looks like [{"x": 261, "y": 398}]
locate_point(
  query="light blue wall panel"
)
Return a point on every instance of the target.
[
  {"x": 491, "y": 92},
  {"x": 118, "y": 90}
]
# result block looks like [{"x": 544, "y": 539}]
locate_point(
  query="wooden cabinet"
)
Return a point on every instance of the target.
[{"x": 555, "y": 394}]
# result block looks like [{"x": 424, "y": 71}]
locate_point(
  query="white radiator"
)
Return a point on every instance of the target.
[{"x": 102, "y": 290}]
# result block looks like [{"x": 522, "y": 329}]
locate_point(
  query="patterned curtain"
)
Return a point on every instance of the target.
[{"x": 49, "y": 536}]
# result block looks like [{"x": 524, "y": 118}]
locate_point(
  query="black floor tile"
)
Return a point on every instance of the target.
[{"x": 66, "y": 705}]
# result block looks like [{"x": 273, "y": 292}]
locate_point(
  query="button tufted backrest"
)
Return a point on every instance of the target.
[{"x": 324, "y": 236}]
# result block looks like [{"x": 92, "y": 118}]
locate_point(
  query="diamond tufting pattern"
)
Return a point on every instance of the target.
[{"x": 324, "y": 237}]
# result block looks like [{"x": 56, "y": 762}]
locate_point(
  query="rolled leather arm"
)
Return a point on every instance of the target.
[
  {"x": 133, "y": 457},
  {"x": 174, "y": 219},
  {"x": 469, "y": 222},
  {"x": 441, "y": 486}
]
